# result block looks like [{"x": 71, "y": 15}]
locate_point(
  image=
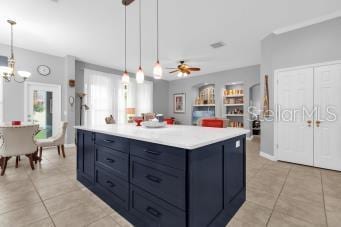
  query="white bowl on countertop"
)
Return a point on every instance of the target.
[{"x": 153, "y": 124}]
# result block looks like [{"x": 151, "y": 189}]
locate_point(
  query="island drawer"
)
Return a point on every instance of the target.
[
  {"x": 166, "y": 183},
  {"x": 113, "y": 187},
  {"x": 170, "y": 156},
  {"x": 113, "y": 142},
  {"x": 155, "y": 212},
  {"x": 113, "y": 160}
]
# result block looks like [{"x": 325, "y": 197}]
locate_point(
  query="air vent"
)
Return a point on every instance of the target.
[{"x": 217, "y": 45}]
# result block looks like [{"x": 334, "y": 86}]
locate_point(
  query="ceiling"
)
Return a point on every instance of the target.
[{"x": 93, "y": 30}]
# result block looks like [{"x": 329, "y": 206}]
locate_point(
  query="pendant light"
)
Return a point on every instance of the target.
[
  {"x": 140, "y": 73},
  {"x": 125, "y": 76},
  {"x": 157, "y": 71},
  {"x": 9, "y": 72}
]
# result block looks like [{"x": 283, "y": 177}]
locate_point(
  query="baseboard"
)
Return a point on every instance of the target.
[
  {"x": 249, "y": 138},
  {"x": 267, "y": 156},
  {"x": 70, "y": 145}
]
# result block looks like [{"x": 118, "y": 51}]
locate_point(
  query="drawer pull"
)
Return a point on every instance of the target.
[
  {"x": 109, "y": 141},
  {"x": 110, "y": 160},
  {"x": 153, "y": 212},
  {"x": 111, "y": 184},
  {"x": 153, "y": 178},
  {"x": 152, "y": 152}
]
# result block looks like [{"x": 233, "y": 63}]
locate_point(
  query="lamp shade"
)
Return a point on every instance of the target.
[
  {"x": 157, "y": 71},
  {"x": 125, "y": 78},
  {"x": 130, "y": 111},
  {"x": 140, "y": 76}
]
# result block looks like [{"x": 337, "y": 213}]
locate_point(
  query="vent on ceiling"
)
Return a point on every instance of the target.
[{"x": 217, "y": 45}]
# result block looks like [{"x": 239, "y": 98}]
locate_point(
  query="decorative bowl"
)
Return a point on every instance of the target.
[{"x": 153, "y": 124}]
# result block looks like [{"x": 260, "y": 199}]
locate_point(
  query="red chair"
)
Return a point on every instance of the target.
[
  {"x": 170, "y": 121},
  {"x": 213, "y": 123}
]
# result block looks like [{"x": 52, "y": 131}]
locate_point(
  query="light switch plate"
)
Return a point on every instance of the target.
[{"x": 237, "y": 143}]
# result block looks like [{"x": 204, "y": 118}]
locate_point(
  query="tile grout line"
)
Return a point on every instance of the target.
[
  {"x": 35, "y": 188},
  {"x": 324, "y": 202},
  {"x": 285, "y": 181}
]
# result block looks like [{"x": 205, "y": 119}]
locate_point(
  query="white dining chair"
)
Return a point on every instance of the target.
[
  {"x": 16, "y": 141},
  {"x": 55, "y": 141}
]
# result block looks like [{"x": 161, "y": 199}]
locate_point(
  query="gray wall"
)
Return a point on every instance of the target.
[
  {"x": 249, "y": 75},
  {"x": 160, "y": 87},
  {"x": 314, "y": 44},
  {"x": 29, "y": 60}
]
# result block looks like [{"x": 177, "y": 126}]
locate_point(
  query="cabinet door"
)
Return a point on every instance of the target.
[
  {"x": 327, "y": 125},
  {"x": 80, "y": 142},
  {"x": 234, "y": 168},
  {"x": 85, "y": 157}
]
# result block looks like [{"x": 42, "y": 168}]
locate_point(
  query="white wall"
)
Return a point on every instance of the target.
[
  {"x": 14, "y": 92},
  {"x": 314, "y": 44}
]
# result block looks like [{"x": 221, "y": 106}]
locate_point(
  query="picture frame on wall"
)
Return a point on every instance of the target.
[{"x": 179, "y": 102}]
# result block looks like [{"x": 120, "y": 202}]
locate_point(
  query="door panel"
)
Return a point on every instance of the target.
[
  {"x": 327, "y": 98},
  {"x": 295, "y": 89}
]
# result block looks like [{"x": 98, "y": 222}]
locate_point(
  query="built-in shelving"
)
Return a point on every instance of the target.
[
  {"x": 204, "y": 102},
  {"x": 239, "y": 104},
  {"x": 233, "y": 104},
  {"x": 199, "y": 105}
]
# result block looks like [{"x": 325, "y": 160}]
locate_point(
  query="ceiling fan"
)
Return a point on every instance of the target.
[{"x": 183, "y": 69}]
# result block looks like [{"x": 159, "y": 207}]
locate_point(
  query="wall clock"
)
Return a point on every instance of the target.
[{"x": 44, "y": 70}]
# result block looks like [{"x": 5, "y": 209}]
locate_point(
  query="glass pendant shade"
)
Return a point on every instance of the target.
[
  {"x": 125, "y": 78},
  {"x": 185, "y": 74},
  {"x": 140, "y": 76},
  {"x": 157, "y": 72},
  {"x": 180, "y": 74}
]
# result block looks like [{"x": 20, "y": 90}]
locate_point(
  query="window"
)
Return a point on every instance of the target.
[
  {"x": 101, "y": 89},
  {"x": 106, "y": 95}
]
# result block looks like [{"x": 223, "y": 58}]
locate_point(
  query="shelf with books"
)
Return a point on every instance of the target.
[{"x": 233, "y": 104}]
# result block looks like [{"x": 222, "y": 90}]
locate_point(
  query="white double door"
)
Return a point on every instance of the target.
[{"x": 308, "y": 116}]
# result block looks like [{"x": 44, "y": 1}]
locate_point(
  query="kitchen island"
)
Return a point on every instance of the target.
[{"x": 173, "y": 176}]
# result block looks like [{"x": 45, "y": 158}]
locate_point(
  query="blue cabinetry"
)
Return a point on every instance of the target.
[{"x": 156, "y": 185}]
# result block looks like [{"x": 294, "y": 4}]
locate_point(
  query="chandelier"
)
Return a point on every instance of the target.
[{"x": 9, "y": 72}]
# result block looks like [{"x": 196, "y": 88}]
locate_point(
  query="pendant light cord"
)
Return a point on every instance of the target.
[
  {"x": 140, "y": 31},
  {"x": 125, "y": 38},
  {"x": 157, "y": 30},
  {"x": 12, "y": 52}
]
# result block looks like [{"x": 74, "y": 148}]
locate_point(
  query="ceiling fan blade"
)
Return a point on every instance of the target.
[
  {"x": 194, "y": 69},
  {"x": 174, "y": 71}
]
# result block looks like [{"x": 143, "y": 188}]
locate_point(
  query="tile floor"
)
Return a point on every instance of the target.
[{"x": 278, "y": 194}]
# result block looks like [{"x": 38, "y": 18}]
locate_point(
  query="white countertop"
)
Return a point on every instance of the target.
[{"x": 182, "y": 136}]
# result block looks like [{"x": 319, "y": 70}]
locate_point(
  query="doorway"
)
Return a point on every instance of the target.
[{"x": 43, "y": 107}]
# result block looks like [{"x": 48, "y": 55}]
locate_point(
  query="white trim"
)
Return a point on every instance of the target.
[
  {"x": 307, "y": 23},
  {"x": 26, "y": 97},
  {"x": 70, "y": 145},
  {"x": 267, "y": 156},
  {"x": 249, "y": 138},
  {"x": 276, "y": 72}
]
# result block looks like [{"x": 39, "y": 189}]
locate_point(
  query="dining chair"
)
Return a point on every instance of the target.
[
  {"x": 55, "y": 141},
  {"x": 16, "y": 141}
]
